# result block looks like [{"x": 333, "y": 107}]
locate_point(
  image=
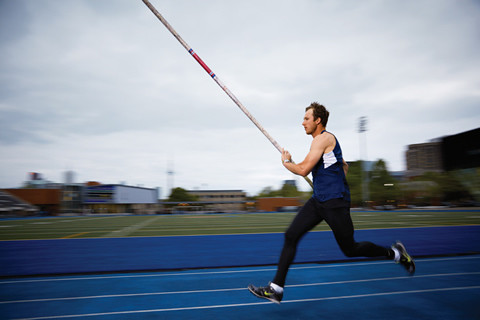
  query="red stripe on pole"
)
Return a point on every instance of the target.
[{"x": 201, "y": 62}]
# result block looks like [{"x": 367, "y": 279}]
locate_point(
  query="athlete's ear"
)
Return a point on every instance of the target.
[{"x": 318, "y": 121}]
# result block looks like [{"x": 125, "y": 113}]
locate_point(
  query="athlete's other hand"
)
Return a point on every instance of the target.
[{"x": 286, "y": 157}]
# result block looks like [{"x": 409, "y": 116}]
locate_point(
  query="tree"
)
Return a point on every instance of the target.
[
  {"x": 287, "y": 190},
  {"x": 181, "y": 195},
  {"x": 445, "y": 187},
  {"x": 383, "y": 187},
  {"x": 267, "y": 192},
  {"x": 470, "y": 178},
  {"x": 354, "y": 179}
]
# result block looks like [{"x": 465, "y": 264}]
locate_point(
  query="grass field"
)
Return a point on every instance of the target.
[{"x": 213, "y": 224}]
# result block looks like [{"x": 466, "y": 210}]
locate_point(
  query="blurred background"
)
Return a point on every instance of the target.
[{"x": 442, "y": 172}]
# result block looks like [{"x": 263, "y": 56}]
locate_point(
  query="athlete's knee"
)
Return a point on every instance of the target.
[
  {"x": 291, "y": 237},
  {"x": 350, "y": 252}
]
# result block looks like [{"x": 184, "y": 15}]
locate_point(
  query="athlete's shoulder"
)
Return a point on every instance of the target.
[
  {"x": 323, "y": 135},
  {"x": 323, "y": 141},
  {"x": 326, "y": 137}
]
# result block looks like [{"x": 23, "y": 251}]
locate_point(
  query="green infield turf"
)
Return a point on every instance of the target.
[{"x": 213, "y": 224}]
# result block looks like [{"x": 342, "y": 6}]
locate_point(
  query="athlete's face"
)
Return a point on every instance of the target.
[{"x": 308, "y": 123}]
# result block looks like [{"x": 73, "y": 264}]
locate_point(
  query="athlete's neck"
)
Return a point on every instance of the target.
[{"x": 318, "y": 130}]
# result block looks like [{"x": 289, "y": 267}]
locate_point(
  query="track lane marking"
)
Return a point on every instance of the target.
[
  {"x": 238, "y": 289},
  {"x": 335, "y": 265},
  {"x": 131, "y": 229},
  {"x": 252, "y": 304}
]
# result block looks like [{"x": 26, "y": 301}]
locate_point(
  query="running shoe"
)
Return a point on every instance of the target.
[
  {"x": 266, "y": 293},
  {"x": 405, "y": 260}
]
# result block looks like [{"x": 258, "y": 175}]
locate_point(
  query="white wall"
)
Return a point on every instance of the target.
[{"x": 126, "y": 194}]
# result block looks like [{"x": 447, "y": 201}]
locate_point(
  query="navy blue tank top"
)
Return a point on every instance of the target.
[{"x": 329, "y": 181}]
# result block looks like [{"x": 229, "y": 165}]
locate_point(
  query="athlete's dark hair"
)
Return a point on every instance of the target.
[{"x": 319, "y": 111}]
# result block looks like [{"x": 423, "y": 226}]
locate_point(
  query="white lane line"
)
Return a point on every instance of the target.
[
  {"x": 251, "y": 304},
  {"x": 130, "y": 229},
  {"x": 239, "y": 289},
  {"x": 186, "y": 273},
  {"x": 383, "y": 294}
]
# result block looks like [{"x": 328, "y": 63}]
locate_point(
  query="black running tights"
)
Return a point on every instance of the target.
[{"x": 336, "y": 213}]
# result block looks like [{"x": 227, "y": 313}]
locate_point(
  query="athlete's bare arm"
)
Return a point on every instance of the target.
[
  {"x": 345, "y": 167},
  {"x": 321, "y": 144}
]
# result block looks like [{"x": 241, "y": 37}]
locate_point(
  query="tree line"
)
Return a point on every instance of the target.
[
  {"x": 384, "y": 189},
  {"x": 430, "y": 188}
]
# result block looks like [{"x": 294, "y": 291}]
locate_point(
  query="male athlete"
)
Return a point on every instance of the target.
[{"x": 330, "y": 202}]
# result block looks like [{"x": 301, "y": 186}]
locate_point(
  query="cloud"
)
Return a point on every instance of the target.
[{"x": 104, "y": 89}]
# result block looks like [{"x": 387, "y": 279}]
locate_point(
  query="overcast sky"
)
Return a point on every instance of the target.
[{"x": 103, "y": 89}]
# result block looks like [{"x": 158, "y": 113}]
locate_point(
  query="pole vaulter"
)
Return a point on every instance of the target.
[{"x": 214, "y": 77}]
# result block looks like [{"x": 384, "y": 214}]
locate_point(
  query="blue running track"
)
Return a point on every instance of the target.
[
  {"x": 205, "y": 277},
  {"x": 443, "y": 288}
]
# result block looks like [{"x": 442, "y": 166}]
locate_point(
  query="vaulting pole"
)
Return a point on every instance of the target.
[{"x": 217, "y": 80}]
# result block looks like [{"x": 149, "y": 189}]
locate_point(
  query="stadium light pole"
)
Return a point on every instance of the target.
[{"x": 362, "y": 128}]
